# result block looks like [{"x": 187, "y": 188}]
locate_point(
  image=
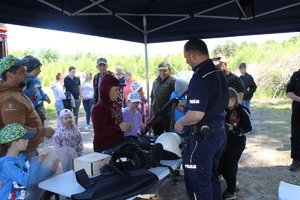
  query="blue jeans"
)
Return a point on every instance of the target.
[
  {"x": 246, "y": 103},
  {"x": 59, "y": 106},
  {"x": 87, "y": 105}
]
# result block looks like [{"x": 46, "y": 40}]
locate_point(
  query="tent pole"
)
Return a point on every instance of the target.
[{"x": 146, "y": 62}]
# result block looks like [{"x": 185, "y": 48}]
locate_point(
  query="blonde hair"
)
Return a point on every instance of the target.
[
  {"x": 91, "y": 76},
  {"x": 233, "y": 94}
]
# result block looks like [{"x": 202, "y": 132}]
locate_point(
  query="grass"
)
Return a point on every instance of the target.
[{"x": 50, "y": 108}]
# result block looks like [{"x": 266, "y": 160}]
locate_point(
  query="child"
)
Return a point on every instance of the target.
[
  {"x": 68, "y": 134},
  {"x": 14, "y": 166},
  {"x": 181, "y": 87},
  {"x": 59, "y": 95},
  {"x": 107, "y": 115},
  {"x": 131, "y": 115},
  {"x": 239, "y": 124},
  {"x": 143, "y": 106},
  {"x": 34, "y": 87}
]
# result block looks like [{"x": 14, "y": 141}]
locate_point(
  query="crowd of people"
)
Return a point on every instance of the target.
[{"x": 213, "y": 117}]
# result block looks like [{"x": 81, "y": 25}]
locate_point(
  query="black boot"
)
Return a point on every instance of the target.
[{"x": 295, "y": 166}]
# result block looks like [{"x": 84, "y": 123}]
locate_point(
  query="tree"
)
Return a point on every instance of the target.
[{"x": 228, "y": 49}]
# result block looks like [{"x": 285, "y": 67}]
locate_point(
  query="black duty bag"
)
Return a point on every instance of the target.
[
  {"x": 114, "y": 186},
  {"x": 68, "y": 104},
  {"x": 129, "y": 156},
  {"x": 124, "y": 158},
  {"x": 141, "y": 142}
]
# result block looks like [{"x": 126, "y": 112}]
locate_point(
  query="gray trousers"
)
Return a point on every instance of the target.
[{"x": 76, "y": 110}]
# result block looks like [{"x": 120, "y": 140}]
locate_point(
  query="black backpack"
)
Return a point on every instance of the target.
[
  {"x": 129, "y": 156},
  {"x": 68, "y": 101}
]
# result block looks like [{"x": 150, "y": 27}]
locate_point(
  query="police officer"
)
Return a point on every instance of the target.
[{"x": 207, "y": 99}]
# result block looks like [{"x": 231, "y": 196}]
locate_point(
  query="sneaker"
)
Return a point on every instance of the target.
[
  {"x": 228, "y": 196},
  {"x": 295, "y": 166},
  {"x": 87, "y": 127}
]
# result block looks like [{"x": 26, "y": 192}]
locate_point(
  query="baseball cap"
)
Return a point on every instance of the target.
[
  {"x": 135, "y": 86},
  {"x": 134, "y": 97},
  {"x": 11, "y": 61},
  {"x": 32, "y": 64},
  {"x": 101, "y": 60},
  {"x": 163, "y": 65},
  {"x": 119, "y": 84},
  {"x": 65, "y": 112},
  {"x": 219, "y": 58},
  {"x": 13, "y": 132}
]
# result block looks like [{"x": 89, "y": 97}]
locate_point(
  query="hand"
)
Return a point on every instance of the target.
[
  {"x": 181, "y": 105},
  {"x": 126, "y": 126},
  {"x": 230, "y": 127},
  {"x": 55, "y": 165},
  {"x": 43, "y": 156},
  {"x": 179, "y": 128},
  {"x": 49, "y": 131},
  {"x": 48, "y": 100},
  {"x": 85, "y": 98}
]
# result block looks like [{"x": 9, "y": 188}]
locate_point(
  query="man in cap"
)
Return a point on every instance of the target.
[
  {"x": 16, "y": 107},
  {"x": 162, "y": 88},
  {"x": 102, "y": 67},
  {"x": 233, "y": 80}
]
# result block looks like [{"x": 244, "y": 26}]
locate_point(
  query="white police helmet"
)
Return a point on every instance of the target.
[{"x": 172, "y": 145}]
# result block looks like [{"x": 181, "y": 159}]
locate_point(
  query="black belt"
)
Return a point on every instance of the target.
[{"x": 204, "y": 131}]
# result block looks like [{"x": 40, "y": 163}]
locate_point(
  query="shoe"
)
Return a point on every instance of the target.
[
  {"x": 228, "y": 196},
  {"x": 87, "y": 127},
  {"x": 295, "y": 166}
]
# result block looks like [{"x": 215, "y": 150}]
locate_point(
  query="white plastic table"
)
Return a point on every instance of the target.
[{"x": 66, "y": 184}]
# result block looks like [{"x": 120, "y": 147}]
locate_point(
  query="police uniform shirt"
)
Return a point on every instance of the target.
[{"x": 208, "y": 93}]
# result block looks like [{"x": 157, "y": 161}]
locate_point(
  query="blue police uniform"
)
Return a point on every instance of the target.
[{"x": 208, "y": 93}]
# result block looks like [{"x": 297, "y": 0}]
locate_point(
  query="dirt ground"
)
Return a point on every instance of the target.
[
  {"x": 262, "y": 166},
  {"x": 264, "y": 163}
]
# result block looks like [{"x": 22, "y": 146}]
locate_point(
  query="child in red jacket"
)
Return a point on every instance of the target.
[{"x": 107, "y": 115}]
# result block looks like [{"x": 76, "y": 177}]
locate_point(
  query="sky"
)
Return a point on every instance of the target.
[{"x": 21, "y": 38}]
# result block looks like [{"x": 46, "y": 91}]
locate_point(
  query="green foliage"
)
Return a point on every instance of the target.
[
  {"x": 271, "y": 64},
  {"x": 228, "y": 49}
]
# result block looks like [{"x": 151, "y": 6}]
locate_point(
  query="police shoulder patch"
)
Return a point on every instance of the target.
[{"x": 194, "y": 101}]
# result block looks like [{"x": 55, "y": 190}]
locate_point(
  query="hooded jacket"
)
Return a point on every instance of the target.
[
  {"x": 34, "y": 91},
  {"x": 58, "y": 91},
  {"x": 14, "y": 175},
  {"x": 16, "y": 107},
  {"x": 107, "y": 116}
]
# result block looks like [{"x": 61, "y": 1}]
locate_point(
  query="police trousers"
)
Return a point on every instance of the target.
[{"x": 200, "y": 162}]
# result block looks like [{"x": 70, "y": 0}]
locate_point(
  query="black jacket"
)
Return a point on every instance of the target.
[
  {"x": 249, "y": 86},
  {"x": 242, "y": 123}
]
